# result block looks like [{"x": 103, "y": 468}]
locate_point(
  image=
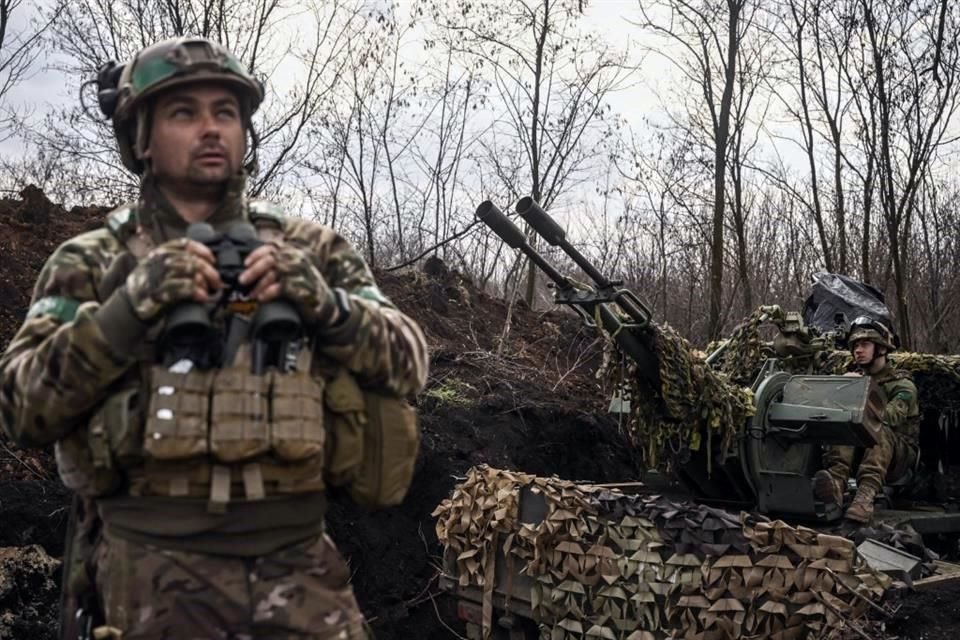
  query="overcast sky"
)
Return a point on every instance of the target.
[{"x": 48, "y": 89}]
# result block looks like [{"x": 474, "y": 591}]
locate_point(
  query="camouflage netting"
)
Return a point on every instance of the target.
[
  {"x": 624, "y": 567},
  {"x": 692, "y": 395},
  {"x": 695, "y": 395},
  {"x": 746, "y": 352}
]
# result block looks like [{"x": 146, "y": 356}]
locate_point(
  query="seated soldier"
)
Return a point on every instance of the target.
[{"x": 897, "y": 448}]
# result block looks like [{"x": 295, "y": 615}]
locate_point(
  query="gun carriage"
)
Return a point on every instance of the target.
[{"x": 788, "y": 403}]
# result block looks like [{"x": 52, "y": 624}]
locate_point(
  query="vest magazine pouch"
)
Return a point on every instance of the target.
[
  {"x": 177, "y": 414},
  {"x": 345, "y": 422},
  {"x": 296, "y": 416},
  {"x": 391, "y": 443},
  {"x": 75, "y": 464},
  {"x": 122, "y": 420},
  {"x": 239, "y": 415}
]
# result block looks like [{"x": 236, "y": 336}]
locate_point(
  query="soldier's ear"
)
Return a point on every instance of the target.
[{"x": 142, "y": 137}]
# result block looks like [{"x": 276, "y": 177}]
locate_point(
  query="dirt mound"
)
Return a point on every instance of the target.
[
  {"x": 31, "y": 229},
  {"x": 486, "y": 402},
  {"x": 29, "y": 592}
]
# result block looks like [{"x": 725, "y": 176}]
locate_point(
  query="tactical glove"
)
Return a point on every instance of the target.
[
  {"x": 165, "y": 277},
  {"x": 306, "y": 288}
]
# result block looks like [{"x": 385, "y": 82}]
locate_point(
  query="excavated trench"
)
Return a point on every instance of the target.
[{"x": 531, "y": 404}]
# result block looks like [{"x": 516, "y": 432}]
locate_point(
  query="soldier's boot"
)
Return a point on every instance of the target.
[
  {"x": 861, "y": 509},
  {"x": 828, "y": 488}
]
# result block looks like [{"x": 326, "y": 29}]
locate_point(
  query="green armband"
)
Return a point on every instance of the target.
[
  {"x": 373, "y": 294},
  {"x": 63, "y": 309}
]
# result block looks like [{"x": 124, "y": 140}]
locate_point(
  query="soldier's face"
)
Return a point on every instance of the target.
[
  {"x": 196, "y": 135},
  {"x": 863, "y": 351}
]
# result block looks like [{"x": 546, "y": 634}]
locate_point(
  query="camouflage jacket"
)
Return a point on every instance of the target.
[
  {"x": 61, "y": 363},
  {"x": 902, "y": 411}
]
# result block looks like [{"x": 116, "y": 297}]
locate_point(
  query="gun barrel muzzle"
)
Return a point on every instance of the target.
[
  {"x": 491, "y": 216},
  {"x": 540, "y": 220}
]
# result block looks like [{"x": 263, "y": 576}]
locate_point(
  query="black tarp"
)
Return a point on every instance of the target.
[{"x": 836, "y": 300}]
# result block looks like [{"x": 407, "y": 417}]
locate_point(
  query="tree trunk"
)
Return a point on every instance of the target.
[
  {"x": 531, "y": 287},
  {"x": 722, "y": 131}
]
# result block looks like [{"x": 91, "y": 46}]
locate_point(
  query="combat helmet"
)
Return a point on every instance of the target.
[
  {"x": 124, "y": 90},
  {"x": 876, "y": 331}
]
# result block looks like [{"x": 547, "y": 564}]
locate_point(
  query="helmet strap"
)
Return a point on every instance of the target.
[{"x": 867, "y": 368}]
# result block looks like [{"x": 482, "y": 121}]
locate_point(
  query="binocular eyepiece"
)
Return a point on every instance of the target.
[{"x": 191, "y": 333}]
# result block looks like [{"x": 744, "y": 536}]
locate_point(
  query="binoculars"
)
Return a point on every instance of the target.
[{"x": 191, "y": 333}]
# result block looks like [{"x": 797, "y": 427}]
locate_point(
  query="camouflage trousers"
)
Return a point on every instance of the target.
[
  {"x": 887, "y": 461},
  {"x": 300, "y": 592}
]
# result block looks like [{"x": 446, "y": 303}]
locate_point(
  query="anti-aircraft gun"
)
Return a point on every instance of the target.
[
  {"x": 776, "y": 450},
  {"x": 527, "y": 557}
]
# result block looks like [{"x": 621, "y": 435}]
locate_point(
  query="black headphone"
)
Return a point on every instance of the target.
[{"x": 108, "y": 91}]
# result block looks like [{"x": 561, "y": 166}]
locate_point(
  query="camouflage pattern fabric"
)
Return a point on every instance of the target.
[
  {"x": 60, "y": 364},
  {"x": 301, "y": 283},
  {"x": 745, "y": 351},
  {"x": 902, "y": 411},
  {"x": 896, "y": 450},
  {"x": 381, "y": 345},
  {"x": 202, "y": 596},
  {"x": 163, "y": 278},
  {"x": 625, "y": 567}
]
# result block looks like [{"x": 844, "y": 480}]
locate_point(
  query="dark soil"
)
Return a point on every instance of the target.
[
  {"x": 529, "y": 402},
  {"x": 28, "y": 600},
  {"x": 928, "y": 614}
]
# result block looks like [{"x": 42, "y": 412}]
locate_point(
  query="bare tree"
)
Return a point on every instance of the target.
[
  {"x": 801, "y": 95},
  {"x": 307, "y": 43},
  {"x": 746, "y": 124},
  {"x": 21, "y": 36},
  {"x": 550, "y": 81},
  {"x": 913, "y": 104},
  {"x": 937, "y": 265},
  {"x": 662, "y": 210},
  {"x": 709, "y": 36}
]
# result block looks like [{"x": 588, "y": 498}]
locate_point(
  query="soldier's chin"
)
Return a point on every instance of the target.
[{"x": 209, "y": 175}]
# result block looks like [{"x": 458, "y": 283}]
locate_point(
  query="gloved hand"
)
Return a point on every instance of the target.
[
  {"x": 177, "y": 271},
  {"x": 284, "y": 271}
]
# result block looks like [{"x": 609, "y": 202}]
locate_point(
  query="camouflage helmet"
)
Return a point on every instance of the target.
[
  {"x": 170, "y": 63},
  {"x": 876, "y": 331}
]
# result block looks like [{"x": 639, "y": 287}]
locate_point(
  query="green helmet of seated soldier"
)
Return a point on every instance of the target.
[
  {"x": 160, "y": 67},
  {"x": 876, "y": 331}
]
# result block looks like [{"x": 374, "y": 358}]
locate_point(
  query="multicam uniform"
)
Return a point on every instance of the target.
[
  {"x": 896, "y": 451},
  {"x": 167, "y": 564}
]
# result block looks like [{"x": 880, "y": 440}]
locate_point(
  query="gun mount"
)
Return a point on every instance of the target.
[
  {"x": 628, "y": 327},
  {"x": 550, "y": 557},
  {"x": 770, "y": 456}
]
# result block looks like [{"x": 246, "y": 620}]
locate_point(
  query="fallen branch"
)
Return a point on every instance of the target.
[
  {"x": 429, "y": 250},
  {"x": 440, "y": 620},
  {"x": 41, "y": 475},
  {"x": 859, "y": 595},
  {"x": 844, "y": 619}
]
